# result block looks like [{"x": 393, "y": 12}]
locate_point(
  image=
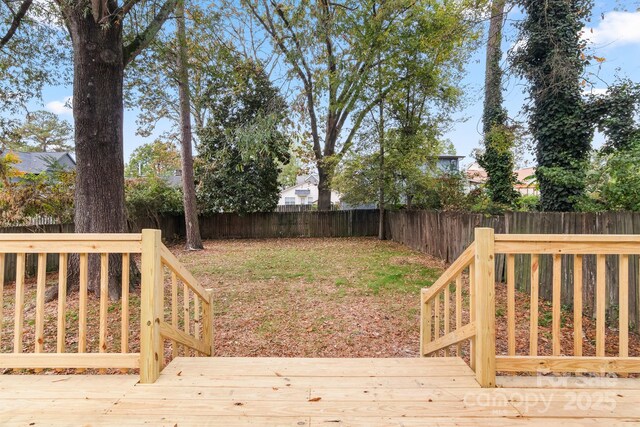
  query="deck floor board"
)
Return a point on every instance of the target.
[{"x": 315, "y": 392}]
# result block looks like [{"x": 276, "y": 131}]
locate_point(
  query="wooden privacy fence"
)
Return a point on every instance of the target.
[
  {"x": 611, "y": 353},
  {"x": 39, "y": 338},
  {"x": 446, "y": 235},
  {"x": 265, "y": 225}
]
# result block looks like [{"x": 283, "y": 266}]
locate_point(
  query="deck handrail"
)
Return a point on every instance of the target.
[
  {"x": 482, "y": 312},
  {"x": 154, "y": 327}
]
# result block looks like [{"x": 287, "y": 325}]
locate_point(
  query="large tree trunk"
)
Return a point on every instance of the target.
[
  {"x": 324, "y": 189},
  {"x": 194, "y": 241},
  {"x": 98, "y": 116},
  {"x": 493, "y": 110},
  {"x": 381, "y": 179}
]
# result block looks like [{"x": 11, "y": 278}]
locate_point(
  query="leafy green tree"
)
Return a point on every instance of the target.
[
  {"x": 551, "y": 59},
  {"x": 34, "y": 53},
  {"x": 401, "y": 139},
  {"x": 156, "y": 159},
  {"x": 291, "y": 170},
  {"x": 243, "y": 145},
  {"x": 332, "y": 51},
  {"x": 151, "y": 197},
  {"x": 410, "y": 170},
  {"x": 42, "y": 131}
]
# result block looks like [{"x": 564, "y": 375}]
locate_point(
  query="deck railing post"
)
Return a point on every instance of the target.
[
  {"x": 425, "y": 323},
  {"x": 151, "y": 302},
  {"x": 207, "y": 320},
  {"x": 485, "y": 311}
]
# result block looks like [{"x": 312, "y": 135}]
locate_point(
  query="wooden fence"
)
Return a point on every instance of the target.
[
  {"x": 445, "y": 235},
  {"x": 441, "y": 234},
  {"x": 353, "y": 223}
]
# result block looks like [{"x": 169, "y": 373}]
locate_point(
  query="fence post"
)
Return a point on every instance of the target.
[
  {"x": 151, "y": 304},
  {"x": 485, "y": 312}
]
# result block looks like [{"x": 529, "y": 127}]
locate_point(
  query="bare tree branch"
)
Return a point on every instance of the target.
[
  {"x": 15, "y": 23},
  {"x": 142, "y": 40}
]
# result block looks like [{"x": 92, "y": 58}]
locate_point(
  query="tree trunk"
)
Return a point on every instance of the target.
[
  {"x": 493, "y": 110},
  {"x": 194, "y": 241},
  {"x": 98, "y": 117},
  {"x": 324, "y": 189},
  {"x": 381, "y": 235}
]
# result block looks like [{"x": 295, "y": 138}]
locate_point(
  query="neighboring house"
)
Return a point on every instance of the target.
[
  {"x": 39, "y": 162},
  {"x": 448, "y": 163},
  {"x": 305, "y": 192},
  {"x": 476, "y": 176},
  {"x": 526, "y": 183},
  {"x": 175, "y": 180}
]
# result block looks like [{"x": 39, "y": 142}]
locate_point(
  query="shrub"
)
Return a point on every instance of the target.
[{"x": 151, "y": 198}]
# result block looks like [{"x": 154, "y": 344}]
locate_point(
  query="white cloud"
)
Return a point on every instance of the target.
[
  {"x": 598, "y": 91},
  {"x": 60, "y": 107},
  {"x": 616, "y": 29}
]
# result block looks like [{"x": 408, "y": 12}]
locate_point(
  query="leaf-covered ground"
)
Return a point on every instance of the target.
[{"x": 314, "y": 297}]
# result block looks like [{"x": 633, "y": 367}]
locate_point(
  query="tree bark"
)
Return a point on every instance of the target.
[
  {"x": 381, "y": 234},
  {"x": 194, "y": 241},
  {"x": 98, "y": 116},
  {"x": 493, "y": 110},
  {"x": 324, "y": 189}
]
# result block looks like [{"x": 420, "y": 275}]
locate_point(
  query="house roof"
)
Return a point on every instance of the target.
[
  {"x": 523, "y": 176},
  {"x": 38, "y": 162},
  {"x": 312, "y": 179},
  {"x": 449, "y": 157}
]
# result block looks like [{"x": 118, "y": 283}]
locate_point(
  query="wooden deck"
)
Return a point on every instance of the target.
[{"x": 312, "y": 392}]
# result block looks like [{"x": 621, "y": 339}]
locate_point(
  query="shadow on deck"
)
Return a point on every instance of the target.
[{"x": 311, "y": 392}]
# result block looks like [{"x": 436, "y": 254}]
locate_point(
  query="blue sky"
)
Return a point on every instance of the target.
[{"x": 616, "y": 38}]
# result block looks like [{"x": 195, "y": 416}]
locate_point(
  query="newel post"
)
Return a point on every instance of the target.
[
  {"x": 485, "y": 307},
  {"x": 151, "y": 307}
]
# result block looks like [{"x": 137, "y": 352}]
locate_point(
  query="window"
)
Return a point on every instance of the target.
[
  {"x": 303, "y": 200},
  {"x": 289, "y": 201}
]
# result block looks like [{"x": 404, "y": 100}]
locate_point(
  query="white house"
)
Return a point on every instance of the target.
[{"x": 305, "y": 192}]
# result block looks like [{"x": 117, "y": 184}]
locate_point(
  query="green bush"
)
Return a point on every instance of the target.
[
  {"x": 151, "y": 198},
  {"x": 529, "y": 203}
]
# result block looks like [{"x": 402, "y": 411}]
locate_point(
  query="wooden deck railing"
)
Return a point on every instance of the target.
[
  {"x": 39, "y": 336},
  {"x": 479, "y": 258}
]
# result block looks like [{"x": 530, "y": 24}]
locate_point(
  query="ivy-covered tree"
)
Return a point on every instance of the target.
[
  {"x": 497, "y": 156},
  {"x": 551, "y": 58},
  {"x": 243, "y": 145},
  {"x": 613, "y": 179}
]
